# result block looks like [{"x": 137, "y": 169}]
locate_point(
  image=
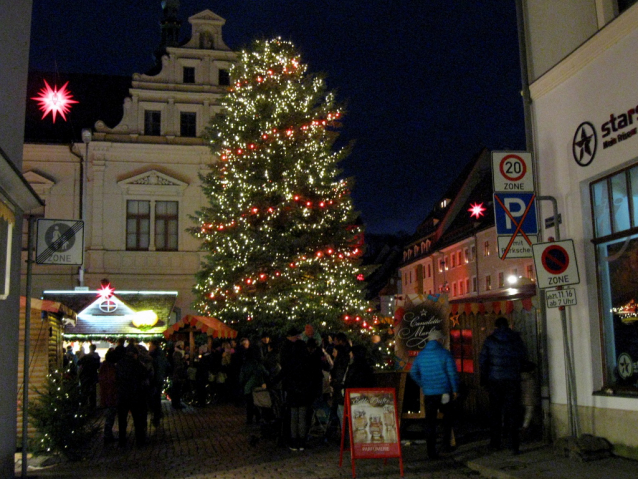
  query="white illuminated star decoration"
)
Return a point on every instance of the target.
[
  {"x": 477, "y": 210},
  {"x": 54, "y": 101}
]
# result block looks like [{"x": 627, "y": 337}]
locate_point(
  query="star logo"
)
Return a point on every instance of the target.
[
  {"x": 625, "y": 366},
  {"x": 584, "y": 144}
]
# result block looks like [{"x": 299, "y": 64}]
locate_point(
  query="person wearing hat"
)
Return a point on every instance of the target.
[{"x": 434, "y": 370}]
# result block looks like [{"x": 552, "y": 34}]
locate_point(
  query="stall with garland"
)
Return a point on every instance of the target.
[
  {"x": 47, "y": 320},
  {"x": 186, "y": 329},
  {"x": 106, "y": 315}
]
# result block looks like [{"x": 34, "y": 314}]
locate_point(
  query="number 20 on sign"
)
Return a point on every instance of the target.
[{"x": 512, "y": 171}]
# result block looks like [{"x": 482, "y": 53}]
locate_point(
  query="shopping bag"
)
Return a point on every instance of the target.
[{"x": 261, "y": 397}]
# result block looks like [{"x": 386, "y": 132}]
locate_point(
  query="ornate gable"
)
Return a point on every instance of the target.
[{"x": 154, "y": 183}]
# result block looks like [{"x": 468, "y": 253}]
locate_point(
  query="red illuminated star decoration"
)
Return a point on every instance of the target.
[
  {"x": 477, "y": 210},
  {"x": 54, "y": 101},
  {"x": 105, "y": 292}
]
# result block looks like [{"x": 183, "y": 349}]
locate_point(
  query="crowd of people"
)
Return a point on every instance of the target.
[
  {"x": 298, "y": 372},
  {"x": 281, "y": 381}
]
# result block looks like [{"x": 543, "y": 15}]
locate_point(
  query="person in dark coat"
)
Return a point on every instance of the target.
[
  {"x": 341, "y": 358},
  {"x": 108, "y": 393},
  {"x": 500, "y": 362},
  {"x": 360, "y": 373},
  {"x": 178, "y": 378},
  {"x": 252, "y": 375},
  {"x": 89, "y": 365},
  {"x": 132, "y": 379},
  {"x": 298, "y": 388},
  {"x": 160, "y": 369}
]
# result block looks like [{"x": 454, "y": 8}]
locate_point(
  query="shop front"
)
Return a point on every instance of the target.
[{"x": 586, "y": 124}]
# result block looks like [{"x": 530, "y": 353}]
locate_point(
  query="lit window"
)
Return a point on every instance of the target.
[
  {"x": 466, "y": 253},
  {"x": 445, "y": 263},
  {"x": 488, "y": 283},
  {"x": 486, "y": 248},
  {"x": 530, "y": 271},
  {"x": 462, "y": 350}
]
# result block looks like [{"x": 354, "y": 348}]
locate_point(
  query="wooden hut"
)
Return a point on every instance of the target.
[{"x": 47, "y": 320}]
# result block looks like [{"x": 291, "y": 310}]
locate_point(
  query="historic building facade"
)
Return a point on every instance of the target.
[
  {"x": 142, "y": 186},
  {"x": 584, "y": 111}
]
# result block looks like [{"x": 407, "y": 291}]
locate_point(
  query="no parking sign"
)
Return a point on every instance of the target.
[{"x": 555, "y": 264}]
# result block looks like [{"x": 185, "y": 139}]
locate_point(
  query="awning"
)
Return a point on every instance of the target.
[
  {"x": 211, "y": 326},
  {"x": 49, "y": 306},
  {"x": 499, "y": 301}
]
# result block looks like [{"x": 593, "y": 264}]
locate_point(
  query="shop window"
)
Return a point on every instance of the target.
[
  {"x": 462, "y": 350},
  {"x": 614, "y": 204}
]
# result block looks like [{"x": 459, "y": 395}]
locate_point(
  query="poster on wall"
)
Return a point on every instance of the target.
[
  {"x": 370, "y": 416},
  {"x": 414, "y": 320}
]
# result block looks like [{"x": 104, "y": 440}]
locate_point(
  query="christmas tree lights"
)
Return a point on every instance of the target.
[{"x": 280, "y": 230}]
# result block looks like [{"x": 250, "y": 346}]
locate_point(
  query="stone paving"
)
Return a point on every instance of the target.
[{"x": 214, "y": 442}]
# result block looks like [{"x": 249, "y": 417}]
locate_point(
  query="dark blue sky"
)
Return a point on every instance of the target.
[{"x": 427, "y": 83}]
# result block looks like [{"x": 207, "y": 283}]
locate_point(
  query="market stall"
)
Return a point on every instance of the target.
[{"x": 186, "y": 328}]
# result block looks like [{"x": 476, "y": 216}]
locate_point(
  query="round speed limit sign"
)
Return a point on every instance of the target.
[{"x": 512, "y": 171}]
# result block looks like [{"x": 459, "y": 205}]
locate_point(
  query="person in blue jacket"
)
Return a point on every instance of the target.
[
  {"x": 500, "y": 362},
  {"x": 434, "y": 370}
]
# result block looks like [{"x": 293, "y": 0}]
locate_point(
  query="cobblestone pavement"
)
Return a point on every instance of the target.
[{"x": 214, "y": 442}]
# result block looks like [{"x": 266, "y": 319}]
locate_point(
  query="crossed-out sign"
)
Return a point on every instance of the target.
[
  {"x": 59, "y": 242},
  {"x": 514, "y": 203},
  {"x": 555, "y": 264}
]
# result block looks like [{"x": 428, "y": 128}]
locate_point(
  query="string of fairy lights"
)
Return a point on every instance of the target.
[{"x": 279, "y": 230}]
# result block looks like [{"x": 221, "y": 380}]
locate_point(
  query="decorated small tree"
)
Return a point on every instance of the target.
[
  {"x": 61, "y": 417},
  {"x": 282, "y": 237}
]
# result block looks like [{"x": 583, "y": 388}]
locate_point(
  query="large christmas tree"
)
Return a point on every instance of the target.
[{"x": 281, "y": 234}]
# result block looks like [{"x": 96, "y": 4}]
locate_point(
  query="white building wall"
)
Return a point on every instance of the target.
[{"x": 597, "y": 80}]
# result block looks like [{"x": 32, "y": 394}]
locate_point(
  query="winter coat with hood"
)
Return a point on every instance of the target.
[
  {"x": 434, "y": 370},
  {"x": 502, "y": 356}
]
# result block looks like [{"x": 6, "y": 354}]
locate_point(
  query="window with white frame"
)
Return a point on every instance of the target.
[
  {"x": 140, "y": 214},
  {"x": 614, "y": 206}
]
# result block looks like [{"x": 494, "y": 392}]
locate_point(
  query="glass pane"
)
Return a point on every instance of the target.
[
  {"x": 131, "y": 227},
  {"x": 144, "y": 207},
  {"x": 145, "y": 227},
  {"x": 172, "y": 243},
  {"x": 633, "y": 178},
  {"x": 160, "y": 208},
  {"x": 618, "y": 273},
  {"x": 600, "y": 198},
  {"x": 171, "y": 207},
  {"x": 131, "y": 207},
  {"x": 131, "y": 241},
  {"x": 144, "y": 242},
  {"x": 621, "y": 202},
  {"x": 172, "y": 227},
  {"x": 160, "y": 243}
]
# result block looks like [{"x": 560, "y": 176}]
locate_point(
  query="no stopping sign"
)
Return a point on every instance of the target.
[{"x": 555, "y": 264}]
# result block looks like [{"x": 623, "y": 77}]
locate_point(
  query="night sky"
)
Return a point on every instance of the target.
[{"x": 426, "y": 83}]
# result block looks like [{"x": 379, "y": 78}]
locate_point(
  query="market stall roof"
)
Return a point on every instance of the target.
[
  {"x": 50, "y": 306},
  {"x": 211, "y": 326},
  {"x": 117, "y": 315},
  {"x": 523, "y": 291}
]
